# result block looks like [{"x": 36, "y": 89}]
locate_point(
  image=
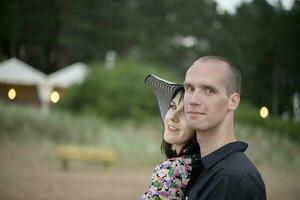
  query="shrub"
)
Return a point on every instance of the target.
[
  {"x": 249, "y": 114},
  {"x": 117, "y": 93}
]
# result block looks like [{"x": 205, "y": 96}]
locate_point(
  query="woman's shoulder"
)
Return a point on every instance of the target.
[
  {"x": 180, "y": 164},
  {"x": 186, "y": 159}
]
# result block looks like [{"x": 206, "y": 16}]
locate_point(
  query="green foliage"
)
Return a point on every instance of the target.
[
  {"x": 248, "y": 114},
  {"x": 29, "y": 31},
  {"x": 261, "y": 39},
  {"x": 117, "y": 93}
]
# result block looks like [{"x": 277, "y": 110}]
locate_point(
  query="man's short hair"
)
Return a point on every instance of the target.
[{"x": 233, "y": 75}]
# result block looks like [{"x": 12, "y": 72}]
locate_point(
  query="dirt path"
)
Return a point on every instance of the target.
[
  {"x": 28, "y": 174},
  {"x": 281, "y": 183},
  {"x": 110, "y": 184},
  {"x": 87, "y": 184}
]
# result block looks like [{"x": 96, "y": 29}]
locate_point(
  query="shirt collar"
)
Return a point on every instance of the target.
[{"x": 218, "y": 155}]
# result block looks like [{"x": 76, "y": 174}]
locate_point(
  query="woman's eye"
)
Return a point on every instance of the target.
[{"x": 173, "y": 107}]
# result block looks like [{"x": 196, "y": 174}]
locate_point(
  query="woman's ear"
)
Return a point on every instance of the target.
[{"x": 234, "y": 101}]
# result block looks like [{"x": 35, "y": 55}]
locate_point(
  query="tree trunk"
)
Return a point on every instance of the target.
[{"x": 275, "y": 89}]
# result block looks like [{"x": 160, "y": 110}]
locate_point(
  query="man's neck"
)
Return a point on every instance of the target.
[{"x": 211, "y": 140}]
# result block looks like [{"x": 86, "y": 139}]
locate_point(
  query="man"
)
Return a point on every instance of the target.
[{"x": 223, "y": 171}]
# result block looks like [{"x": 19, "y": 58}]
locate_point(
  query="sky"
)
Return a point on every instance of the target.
[{"x": 230, "y": 5}]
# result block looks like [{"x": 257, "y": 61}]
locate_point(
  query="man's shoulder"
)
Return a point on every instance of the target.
[
  {"x": 232, "y": 176},
  {"x": 239, "y": 168},
  {"x": 239, "y": 162}
]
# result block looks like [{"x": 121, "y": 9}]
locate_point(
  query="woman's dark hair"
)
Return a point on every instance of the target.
[{"x": 192, "y": 147}]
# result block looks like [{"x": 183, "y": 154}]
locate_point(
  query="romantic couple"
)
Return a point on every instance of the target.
[{"x": 204, "y": 159}]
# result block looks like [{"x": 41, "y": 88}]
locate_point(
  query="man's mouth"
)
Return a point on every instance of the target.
[{"x": 195, "y": 113}]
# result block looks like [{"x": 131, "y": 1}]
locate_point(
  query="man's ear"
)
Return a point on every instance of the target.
[{"x": 234, "y": 101}]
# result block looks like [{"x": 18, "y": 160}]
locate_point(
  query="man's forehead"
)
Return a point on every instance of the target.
[
  {"x": 209, "y": 65},
  {"x": 207, "y": 71}
]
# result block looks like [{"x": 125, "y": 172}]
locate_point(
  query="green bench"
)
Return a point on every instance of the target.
[{"x": 70, "y": 152}]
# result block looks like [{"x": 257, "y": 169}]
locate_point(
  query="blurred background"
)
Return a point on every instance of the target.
[{"x": 77, "y": 121}]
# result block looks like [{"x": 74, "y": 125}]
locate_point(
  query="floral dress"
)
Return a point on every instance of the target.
[{"x": 169, "y": 179}]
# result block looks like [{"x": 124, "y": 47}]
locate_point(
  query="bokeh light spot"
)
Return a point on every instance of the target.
[
  {"x": 264, "y": 112},
  {"x": 12, "y": 93},
  {"x": 54, "y": 97}
]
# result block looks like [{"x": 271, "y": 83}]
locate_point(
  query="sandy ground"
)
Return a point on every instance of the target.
[
  {"x": 74, "y": 184},
  {"x": 110, "y": 184},
  {"x": 23, "y": 179}
]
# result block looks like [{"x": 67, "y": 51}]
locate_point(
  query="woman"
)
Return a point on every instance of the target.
[{"x": 179, "y": 143}]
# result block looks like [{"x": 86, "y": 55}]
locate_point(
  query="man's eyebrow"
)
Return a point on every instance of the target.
[
  {"x": 186, "y": 84},
  {"x": 209, "y": 86}
]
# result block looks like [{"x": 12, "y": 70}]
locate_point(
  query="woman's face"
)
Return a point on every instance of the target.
[{"x": 176, "y": 133}]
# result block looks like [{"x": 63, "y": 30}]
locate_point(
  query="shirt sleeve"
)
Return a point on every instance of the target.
[{"x": 169, "y": 179}]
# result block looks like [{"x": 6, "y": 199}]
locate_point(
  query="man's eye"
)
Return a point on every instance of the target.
[
  {"x": 188, "y": 89},
  {"x": 209, "y": 91}
]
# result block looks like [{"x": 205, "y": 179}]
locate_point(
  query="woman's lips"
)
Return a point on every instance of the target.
[{"x": 172, "y": 128}]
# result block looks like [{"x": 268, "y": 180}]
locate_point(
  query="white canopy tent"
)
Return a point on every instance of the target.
[
  {"x": 64, "y": 78},
  {"x": 14, "y": 71},
  {"x": 18, "y": 73}
]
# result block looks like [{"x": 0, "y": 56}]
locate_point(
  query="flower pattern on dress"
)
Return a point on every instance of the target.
[{"x": 169, "y": 179}]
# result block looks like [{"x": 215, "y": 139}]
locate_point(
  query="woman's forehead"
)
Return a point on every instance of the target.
[{"x": 178, "y": 99}]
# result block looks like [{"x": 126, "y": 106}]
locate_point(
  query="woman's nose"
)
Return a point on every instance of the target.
[{"x": 174, "y": 116}]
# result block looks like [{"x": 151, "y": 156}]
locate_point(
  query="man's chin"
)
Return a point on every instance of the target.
[
  {"x": 196, "y": 126},
  {"x": 192, "y": 125}
]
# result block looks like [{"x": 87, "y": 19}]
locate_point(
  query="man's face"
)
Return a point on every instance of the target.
[{"x": 205, "y": 100}]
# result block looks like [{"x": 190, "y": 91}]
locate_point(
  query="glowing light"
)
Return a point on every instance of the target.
[
  {"x": 12, "y": 94},
  {"x": 264, "y": 112},
  {"x": 54, "y": 97}
]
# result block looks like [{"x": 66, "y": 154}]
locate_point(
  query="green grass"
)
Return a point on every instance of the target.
[
  {"x": 269, "y": 147},
  {"x": 134, "y": 142},
  {"x": 129, "y": 139}
]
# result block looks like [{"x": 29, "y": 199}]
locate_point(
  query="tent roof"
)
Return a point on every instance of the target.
[
  {"x": 68, "y": 76},
  {"x": 14, "y": 71}
]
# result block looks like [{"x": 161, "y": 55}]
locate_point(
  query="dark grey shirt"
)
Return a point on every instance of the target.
[{"x": 226, "y": 173}]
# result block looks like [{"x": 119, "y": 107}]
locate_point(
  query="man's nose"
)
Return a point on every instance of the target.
[{"x": 194, "y": 98}]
